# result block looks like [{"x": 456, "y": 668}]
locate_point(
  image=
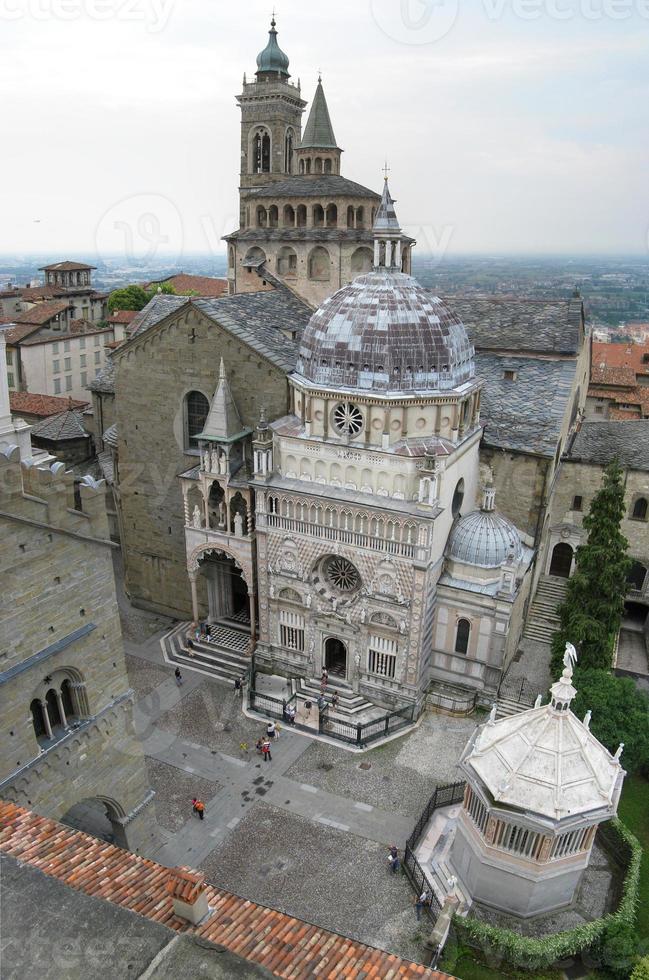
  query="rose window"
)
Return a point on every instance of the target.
[
  {"x": 341, "y": 574},
  {"x": 348, "y": 419}
]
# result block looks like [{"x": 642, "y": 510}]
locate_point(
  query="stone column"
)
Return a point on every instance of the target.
[
  {"x": 59, "y": 701},
  {"x": 46, "y": 719},
  {"x": 192, "y": 583},
  {"x": 253, "y": 615}
]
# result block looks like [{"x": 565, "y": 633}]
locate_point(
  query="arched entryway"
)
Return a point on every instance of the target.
[
  {"x": 335, "y": 657},
  {"x": 561, "y": 564},
  {"x": 98, "y": 818},
  {"x": 227, "y": 592}
]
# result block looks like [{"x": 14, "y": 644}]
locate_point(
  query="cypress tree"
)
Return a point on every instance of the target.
[{"x": 592, "y": 610}]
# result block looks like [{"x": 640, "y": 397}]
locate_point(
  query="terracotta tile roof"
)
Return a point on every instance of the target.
[
  {"x": 204, "y": 286},
  {"x": 286, "y": 946},
  {"x": 42, "y": 312},
  {"x": 42, "y": 405},
  {"x": 66, "y": 267},
  {"x": 122, "y": 316},
  {"x": 614, "y": 375},
  {"x": 18, "y": 332}
]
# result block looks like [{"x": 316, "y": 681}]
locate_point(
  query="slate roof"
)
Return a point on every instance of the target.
[
  {"x": 542, "y": 326},
  {"x": 325, "y": 185},
  {"x": 286, "y": 946},
  {"x": 602, "y": 442},
  {"x": 319, "y": 132},
  {"x": 60, "y": 428},
  {"x": 258, "y": 319},
  {"x": 525, "y": 414},
  {"x": 43, "y": 405},
  {"x": 256, "y": 235},
  {"x": 104, "y": 383}
]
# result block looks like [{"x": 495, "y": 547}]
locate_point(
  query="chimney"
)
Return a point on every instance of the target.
[{"x": 187, "y": 891}]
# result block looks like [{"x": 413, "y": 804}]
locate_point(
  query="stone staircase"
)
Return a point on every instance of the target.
[
  {"x": 220, "y": 659},
  {"x": 542, "y": 619},
  {"x": 351, "y": 707}
]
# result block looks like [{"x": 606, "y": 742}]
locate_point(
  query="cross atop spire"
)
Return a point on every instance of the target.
[{"x": 386, "y": 170}]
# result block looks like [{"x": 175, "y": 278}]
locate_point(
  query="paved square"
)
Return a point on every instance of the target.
[
  {"x": 330, "y": 878},
  {"x": 144, "y": 676},
  {"x": 212, "y": 716},
  {"x": 402, "y": 774},
  {"x": 174, "y": 791}
]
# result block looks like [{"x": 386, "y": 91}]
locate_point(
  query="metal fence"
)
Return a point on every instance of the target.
[
  {"x": 352, "y": 733},
  {"x": 446, "y": 795}
]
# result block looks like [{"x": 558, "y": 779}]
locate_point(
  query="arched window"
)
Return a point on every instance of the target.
[
  {"x": 289, "y": 216},
  {"x": 287, "y": 262},
  {"x": 196, "y": 411},
  {"x": 327, "y": 166},
  {"x": 288, "y": 152},
  {"x": 301, "y": 166},
  {"x": 301, "y": 215},
  {"x": 362, "y": 261},
  {"x": 318, "y": 216},
  {"x": 317, "y": 165},
  {"x": 458, "y": 499},
  {"x": 640, "y": 509},
  {"x": 254, "y": 255},
  {"x": 308, "y": 165},
  {"x": 350, "y": 217},
  {"x": 261, "y": 151},
  {"x": 37, "y": 718},
  {"x": 262, "y": 217},
  {"x": 52, "y": 703},
  {"x": 66, "y": 697},
  {"x": 320, "y": 264},
  {"x": 462, "y": 634},
  {"x": 360, "y": 217},
  {"x": 273, "y": 216},
  {"x": 332, "y": 216},
  {"x": 636, "y": 577}
]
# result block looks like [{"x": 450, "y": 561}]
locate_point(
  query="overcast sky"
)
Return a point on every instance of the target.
[{"x": 509, "y": 125}]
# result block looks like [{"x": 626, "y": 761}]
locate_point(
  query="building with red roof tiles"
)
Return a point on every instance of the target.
[
  {"x": 71, "y": 281},
  {"x": 185, "y": 284},
  {"x": 619, "y": 382},
  {"x": 34, "y": 407},
  {"x": 161, "y": 907}
]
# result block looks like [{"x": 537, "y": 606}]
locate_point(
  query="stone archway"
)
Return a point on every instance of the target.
[
  {"x": 335, "y": 657},
  {"x": 561, "y": 563},
  {"x": 231, "y": 600},
  {"x": 99, "y": 817}
]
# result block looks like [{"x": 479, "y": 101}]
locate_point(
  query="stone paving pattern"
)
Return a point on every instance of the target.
[
  {"x": 403, "y": 773},
  {"x": 174, "y": 791},
  {"x": 320, "y": 874}
]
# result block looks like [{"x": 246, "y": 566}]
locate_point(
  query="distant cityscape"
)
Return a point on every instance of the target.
[{"x": 615, "y": 289}]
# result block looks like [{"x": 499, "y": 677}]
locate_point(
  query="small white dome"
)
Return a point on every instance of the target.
[{"x": 485, "y": 538}]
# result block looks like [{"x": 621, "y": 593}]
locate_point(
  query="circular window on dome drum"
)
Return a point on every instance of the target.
[
  {"x": 340, "y": 573},
  {"x": 348, "y": 419}
]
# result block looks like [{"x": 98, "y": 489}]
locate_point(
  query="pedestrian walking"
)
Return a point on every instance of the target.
[
  {"x": 290, "y": 714},
  {"x": 265, "y": 748},
  {"x": 190, "y": 647},
  {"x": 178, "y": 676},
  {"x": 270, "y": 730},
  {"x": 420, "y": 903},
  {"x": 393, "y": 858},
  {"x": 198, "y": 807},
  {"x": 334, "y": 700},
  {"x": 258, "y": 745},
  {"x": 238, "y": 686},
  {"x": 322, "y": 704}
]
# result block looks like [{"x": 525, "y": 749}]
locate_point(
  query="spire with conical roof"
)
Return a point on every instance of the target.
[
  {"x": 223, "y": 422},
  {"x": 389, "y": 240},
  {"x": 386, "y": 216},
  {"x": 272, "y": 59},
  {"x": 319, "y": 132}
]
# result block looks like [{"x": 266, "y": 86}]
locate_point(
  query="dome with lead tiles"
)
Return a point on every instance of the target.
[
  {"x": 385, "y": 332},
  {"x": 485, "y": 538}
]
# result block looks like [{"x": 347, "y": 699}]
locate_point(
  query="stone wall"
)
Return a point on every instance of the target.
[
  {"x": 60, "y": 624},
  {"x": 154, "y": 373}
]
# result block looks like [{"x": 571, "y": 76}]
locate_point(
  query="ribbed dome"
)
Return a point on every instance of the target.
[
  {"x": 385, "y": 332},
  {"x": 485, "y": 538},
  {"x": 272, "y": 58}
]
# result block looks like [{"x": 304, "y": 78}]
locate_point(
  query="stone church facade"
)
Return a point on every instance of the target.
[{"x": 246, "y": 522}]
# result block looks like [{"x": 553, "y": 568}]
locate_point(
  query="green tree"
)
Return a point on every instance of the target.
[
  {"x": 592, "y": 610},
  {"x": 641, "y": 970},
  {"x": 136, "y": 297},
  {"x": 620, "y": 714}
]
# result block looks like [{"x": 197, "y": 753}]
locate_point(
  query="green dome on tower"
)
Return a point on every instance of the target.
[{"x": 272, "y": 58}]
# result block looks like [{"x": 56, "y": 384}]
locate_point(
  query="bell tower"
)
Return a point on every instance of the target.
[{"x": 271, "y": 119}]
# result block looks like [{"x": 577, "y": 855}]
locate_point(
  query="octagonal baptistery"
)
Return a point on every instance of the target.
[{"x": 384, "y": 332}]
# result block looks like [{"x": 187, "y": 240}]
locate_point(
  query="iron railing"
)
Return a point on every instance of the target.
[
  {"x": 446, "y": 795},
  {"x": 358, "y": 734}
]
